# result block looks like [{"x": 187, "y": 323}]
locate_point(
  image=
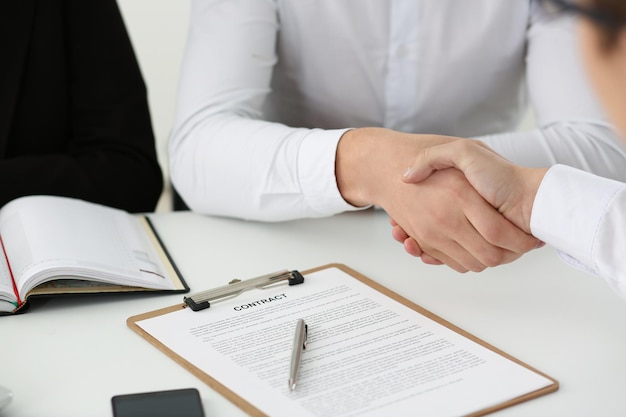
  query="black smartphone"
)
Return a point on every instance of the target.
[{"x": 173, "y": 403}]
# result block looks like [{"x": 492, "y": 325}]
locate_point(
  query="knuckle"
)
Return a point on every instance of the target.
[
  {"x": 475, "y": 266},
  {"x": 495, "y": 235},
  {"x": 511, "y": 256},
  {"x": 493, "y": 257},
  {"x": 479, "y": 143}
]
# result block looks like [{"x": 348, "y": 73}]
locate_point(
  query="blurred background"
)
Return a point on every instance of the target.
[{"x": 158, "y": 30}]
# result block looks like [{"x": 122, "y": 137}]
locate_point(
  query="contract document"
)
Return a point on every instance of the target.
[{"x": 369, "y": 352}]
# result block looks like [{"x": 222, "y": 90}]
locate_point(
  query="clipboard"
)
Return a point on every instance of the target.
[{"x": 253, "y": 410}]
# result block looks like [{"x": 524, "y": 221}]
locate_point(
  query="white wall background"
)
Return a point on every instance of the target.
[{"x": 158, "y": 31}]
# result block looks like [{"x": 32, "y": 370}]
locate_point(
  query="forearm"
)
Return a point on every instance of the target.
[
  {"x": 586, "y": 237},
  {"x": 594, "y": 148},
  {"x": 238, "y": 167}
]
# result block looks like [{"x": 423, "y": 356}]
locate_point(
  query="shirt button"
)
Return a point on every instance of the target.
[{"x": 402, "y": 51}]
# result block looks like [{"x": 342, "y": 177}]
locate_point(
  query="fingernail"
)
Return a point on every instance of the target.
[
  {"x": 540, "y": 244},
  {"x": 407, "y": 172}
]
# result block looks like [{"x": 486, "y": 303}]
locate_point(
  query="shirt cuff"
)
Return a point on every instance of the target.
[
  {"x": 316, "y": 172},
  {"x": 567, "y": 211}
]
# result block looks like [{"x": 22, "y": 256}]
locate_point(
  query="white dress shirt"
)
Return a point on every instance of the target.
[
  {"x": 584, "y": 217},
  {"x": 268, "y": 87}
]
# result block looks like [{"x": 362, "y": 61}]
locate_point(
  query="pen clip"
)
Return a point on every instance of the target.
[{"x": 203, "y": 299}]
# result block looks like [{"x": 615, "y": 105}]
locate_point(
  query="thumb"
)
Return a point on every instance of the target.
[
  {"x": 416, "y": 173},
  {"x": 428, "y": 161}
]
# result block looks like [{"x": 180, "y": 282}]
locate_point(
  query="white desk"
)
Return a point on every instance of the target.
[{"x": 68, "y": 356}]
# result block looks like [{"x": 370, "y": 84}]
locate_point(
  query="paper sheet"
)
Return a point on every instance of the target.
[{"x": 367, "y": 355}]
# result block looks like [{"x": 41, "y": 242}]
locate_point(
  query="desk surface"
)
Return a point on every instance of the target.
[{"x": 68, "y": 356}]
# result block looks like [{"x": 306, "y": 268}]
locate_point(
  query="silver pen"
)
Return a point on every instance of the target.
[{"x": 299, "y": 344}]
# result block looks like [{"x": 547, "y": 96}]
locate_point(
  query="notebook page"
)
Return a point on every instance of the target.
[{"x": 76, "y": 238}]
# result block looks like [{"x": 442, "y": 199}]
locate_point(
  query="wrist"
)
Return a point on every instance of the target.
[
  {"x": 351, "y": 158},
  {"x": 532, "y": 178},
  {"x": 369, "y": 162}
]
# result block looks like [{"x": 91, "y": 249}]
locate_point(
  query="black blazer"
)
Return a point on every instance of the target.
[{"x": 74, "y": 117}]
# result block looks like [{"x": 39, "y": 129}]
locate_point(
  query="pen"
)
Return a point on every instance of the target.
[{"x": 299, "y": 344}]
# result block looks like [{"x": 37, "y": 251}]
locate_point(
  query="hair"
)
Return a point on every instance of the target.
[
  {"x": 617, "y": 10},
  {"x": 615, "y": 7}
]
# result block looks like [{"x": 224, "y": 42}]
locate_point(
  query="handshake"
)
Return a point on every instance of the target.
[
  {"x": 477, "y": 236},
  {"x": 458, "y": 202}
]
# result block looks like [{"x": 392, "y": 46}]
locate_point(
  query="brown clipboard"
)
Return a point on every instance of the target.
[{"x": 253, "y": 411}]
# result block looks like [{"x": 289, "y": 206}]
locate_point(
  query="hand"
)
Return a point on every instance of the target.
[
  {"x": 459, "y": 228},
  {"x": 410, "y": 245},
  {"x": 509, "y": 188},
  {"x": 448, "y": 220}
]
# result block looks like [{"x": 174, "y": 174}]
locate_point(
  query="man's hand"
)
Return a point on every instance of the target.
[
  {"x": 509, "y": 188},
  {"x": 447, "y": 219}
]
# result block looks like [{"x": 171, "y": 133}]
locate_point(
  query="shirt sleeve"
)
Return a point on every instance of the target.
[
  {"x": 268, "y": 171},
  {"x": 583, "y": 216},
  {"x": 572, "y": 127}
]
